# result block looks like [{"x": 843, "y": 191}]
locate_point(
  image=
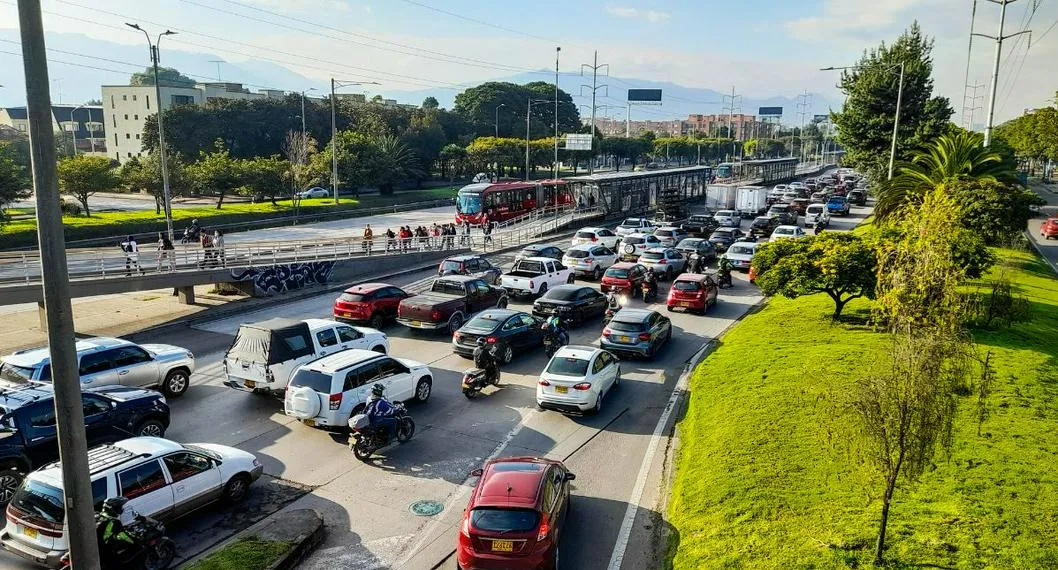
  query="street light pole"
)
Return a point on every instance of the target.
[
  {"x": 496, "y": 119},
  {"x": 69, "y": 409},
  {"x": 335, "y": 84},
  {"x": 166, "y": 194},
  {"x": 557, "y": 51},
  {"x": 73, "y": 127},
  {"x": 528, "y": 108},
  {"x": 304, "y": 132},
  {"x": 896, "y": 118}
]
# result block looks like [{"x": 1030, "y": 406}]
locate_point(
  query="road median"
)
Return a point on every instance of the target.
[{"x": 279, "y": 542}]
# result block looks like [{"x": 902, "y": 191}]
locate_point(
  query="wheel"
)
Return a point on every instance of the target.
[
  {"x": 571, "y": 279},
  {"x": 176, "y": 382},
  {"x": 669, "y": 309},
  {"x": 598, "y": 405},
  {"x": 423, "y": 389},
  {"x": 236, "y": 489},
  {"x": 161, "y": 556},
  {"x": 543, "y": 289},
  {"x": 379, "y": 349},
  {"x": 507, "y": 355},
  {"x": 502, "y": 303},
  {"x": 617, "y": 379},
  {"x": 150, "y": 428},
  {"x": 651, "y": 351},
  {"x": 361, "y": 451},
  {"x": 405, "y": 429},
  {"x": 376, "y": 321},
  {"x": 668, "y": 274},
  {"x": 596, "y": 273},
  {"x": 10, "y": 479},
  {"x": 454, "y": 323}
]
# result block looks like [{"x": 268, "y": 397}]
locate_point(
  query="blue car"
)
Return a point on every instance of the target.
[{"x": 838, "y": 205}]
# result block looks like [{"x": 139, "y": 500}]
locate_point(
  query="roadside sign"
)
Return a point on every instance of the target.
[{"x": 578, "y": 141}]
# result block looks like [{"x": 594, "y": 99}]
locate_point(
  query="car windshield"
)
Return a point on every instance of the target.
[
  {"x": 723, "y": 233},
  {"x": 485, "y": 322},
  {"x": 784, "y": 231},
  {"x": 761, "y": 221},
  {"x": 567, "y": 366},
  {"x": 562, "y": 294},
  {"x": 617, "y": 273},
  {"x": 631, "y": 222},
  {"x": 586, "y": 235},
  {"x": 40, "y": 501},
  {"x": 686, "y": 285},
  {"x": 504, "y": 520},
  {"x": 652, "y": 256},
  {"x": 742, "y": 249},
  {"x": 317, "y": 381},
  {"x": 468, "y": 203},
  {"x": 12, "y": 373},
  {"x": 203, "y": 451},
  {"x": 626, "y": 326}
]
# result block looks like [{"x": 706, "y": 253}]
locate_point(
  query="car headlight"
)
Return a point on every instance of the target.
[
  {"x": 190, "y": 356},
  {"x": 256, "y": 462}
]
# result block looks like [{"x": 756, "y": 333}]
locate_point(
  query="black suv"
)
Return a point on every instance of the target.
[
  {"x": 700, "y": 225},
  {"x": 27, "y": 425},
  {"x": 763, "y": 226}
]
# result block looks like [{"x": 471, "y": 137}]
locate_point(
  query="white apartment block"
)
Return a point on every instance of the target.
[{"x": 127, "y": 107}]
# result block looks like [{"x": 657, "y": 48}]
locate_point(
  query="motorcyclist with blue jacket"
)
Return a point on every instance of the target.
[{"x": 380, "y": 412}]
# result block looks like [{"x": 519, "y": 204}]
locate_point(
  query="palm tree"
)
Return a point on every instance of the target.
[
  {"x": 948, "y": 159},
  {"x": 395, "y": 163}
]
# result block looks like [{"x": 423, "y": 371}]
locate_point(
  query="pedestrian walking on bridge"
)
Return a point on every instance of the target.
[
  {"x": 132, "y": 255},
  {"x": 166, "y": 251}
]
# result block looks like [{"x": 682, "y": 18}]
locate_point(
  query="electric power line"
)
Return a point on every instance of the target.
[{"x": 476, "y": 21}]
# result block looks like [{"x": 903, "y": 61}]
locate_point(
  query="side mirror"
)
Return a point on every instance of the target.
[
  {"x": 570, "y": 476},
  {"x": 477, "y": 472}
]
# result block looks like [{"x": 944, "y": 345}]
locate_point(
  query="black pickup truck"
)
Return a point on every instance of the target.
[{"x": 449, "y": 302}]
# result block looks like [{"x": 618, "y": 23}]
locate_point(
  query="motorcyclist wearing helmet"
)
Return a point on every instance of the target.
[
  {"x": 110, "y": 532},
  {"x": 485, "y": 360},
  {"x": 724, "y": 266},
  {"x": 651, "y": 280},
  {"x": 380, "y": 412},
  {"x": 553, "y": 325},
  {"x": 613, "y": 301}
]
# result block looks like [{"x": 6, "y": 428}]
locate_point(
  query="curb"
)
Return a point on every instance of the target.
[{"x": 310, "y": 531}]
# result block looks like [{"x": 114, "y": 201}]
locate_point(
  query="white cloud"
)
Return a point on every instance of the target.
[
  {"x": 844, "y": 18},
  {"x": 652, "y": 16}
]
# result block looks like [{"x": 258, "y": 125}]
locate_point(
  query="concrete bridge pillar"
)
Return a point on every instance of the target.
[{"x": 186, "y": 295}]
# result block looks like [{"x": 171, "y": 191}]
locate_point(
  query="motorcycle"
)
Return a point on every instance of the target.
[
  {"x": 151, "y": 548},
  {"x": 648, "y": 291},
  {"x": 475, "y": 380},
  {"x": 723, "y": 280},
  {"x": 367, "y": 438},
  {"x": 553, "y": 340},
  {"x": 191, "y": 235}
]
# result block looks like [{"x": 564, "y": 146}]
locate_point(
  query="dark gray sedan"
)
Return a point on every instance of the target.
[{"x": 724, "y": 237}]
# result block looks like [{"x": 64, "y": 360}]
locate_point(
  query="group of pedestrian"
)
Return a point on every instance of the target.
[
  {"x": 212, "y": 249},
  {"x": 212, "y": 252},
  {"x": 406, "y": 238}
]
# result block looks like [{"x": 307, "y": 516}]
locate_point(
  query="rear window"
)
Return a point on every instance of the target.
[
  {"x": 504, "y": 520},
  {"x": 40, "y": 501},
  {"x": 744, "y": 249},
  {"x": 626, "y": 326},
  {"x": 353, "y": 297},
  {"x": 687, "y": 285},
  {"x": 14, "y": 373},
  {"x": 531, "y": 266},
  {"x": 784, "y": 231},
  {"x": 780, "y": 209},
  {"x": 451, "y": 266},
  {"x": 631, "y": 222},
  {"x": 530, "y": 251},
  {"x": 725, "y": 213},
  {"x": 617, "y": 273},
  {"x": 568, "y": 366},
  {"x": 562, "y": 294},
  {"x": 447, "y": 287},
  {"x": 317, "y": 381},
  {"x": 815, "y": 209},
  {"x": 699, "y": 219},
  {"x": 586, "y": 235},
  {"x": 635, "y": 240},
  {"x": 665, "y": 233},
  {"x": 652, "y": 256},
  {"x": 484, "y": 322},
  {"x": 577, "y": 253}
]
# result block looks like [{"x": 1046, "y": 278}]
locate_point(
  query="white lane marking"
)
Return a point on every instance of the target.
[{"x": 624, "y": 535}]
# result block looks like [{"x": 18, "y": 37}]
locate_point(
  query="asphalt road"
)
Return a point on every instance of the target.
[
  {"x": 366, "y": 506},
  {"x": 1049, "y": 248}
]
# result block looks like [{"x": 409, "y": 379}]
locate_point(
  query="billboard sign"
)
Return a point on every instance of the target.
[
  {"x": 770, "y": 111},
  {"x": 578, "y": 141},
  {"x": 644, "y": 96},
  {"x": 820, "y": 118}
]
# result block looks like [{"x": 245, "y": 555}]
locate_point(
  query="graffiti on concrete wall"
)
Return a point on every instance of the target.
[{"x": 284, "y": 278}]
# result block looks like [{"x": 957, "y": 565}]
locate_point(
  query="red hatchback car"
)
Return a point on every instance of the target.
[
  {"x": 515, "y": 516},
  {"x": 625, "y": 276},
  {"x": 1049, "y": 228},
  {"x": 370, "y": 303},
  {"x": 693, "y": 292}
]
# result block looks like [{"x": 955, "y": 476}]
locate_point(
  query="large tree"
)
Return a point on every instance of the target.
[
  {"x": 865, "y": 123},
  {"x": 396, "y": 163},
  {"x": 144, "y": 173},
  {"x": 1032, "y": 136},
  {"x": 357, "y": 156},
  {"x": 82, "y": 175},
  {"x": 215, "y": 172},
  {"x": 266, "y": 176},
  {"x": 167, "y": 77},
  {"x": 504, "y": 104}
]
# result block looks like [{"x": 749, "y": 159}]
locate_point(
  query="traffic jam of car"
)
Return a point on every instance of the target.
[{"x": 331, "y": 374}]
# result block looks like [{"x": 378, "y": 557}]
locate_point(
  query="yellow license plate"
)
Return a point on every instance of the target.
[
  {"x": 347, "y": 314},
  {"x": 310, "y": 423},
  {"x": 503, "y": 546},
  {"x": 249, "y": 383},
  {"x": 685, "y": 304},
  {"x": 29, "y": 532},
  {"x": 416, "y": 323},
  {"x": 561, "y": 389},
  {"x": 624, "y": 338}
]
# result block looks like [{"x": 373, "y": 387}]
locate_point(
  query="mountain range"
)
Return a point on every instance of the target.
[{"x": 77, "y": 78}]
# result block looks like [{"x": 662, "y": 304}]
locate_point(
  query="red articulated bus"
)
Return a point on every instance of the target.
[{"x": 502, "y": 201}]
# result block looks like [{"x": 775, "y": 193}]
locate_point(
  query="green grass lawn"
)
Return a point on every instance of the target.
[
  {"x": 760, "y": 484},
  {"x": 107, "y": 224},
  {"x": 244, "y": 554}
]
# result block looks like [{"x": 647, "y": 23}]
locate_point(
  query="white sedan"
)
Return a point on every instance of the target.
[
  {"x": 787, "y": 232},
  {"x": 601, "y": 236},
  {"x": 315, "y": 192},
  {"x": 577, "y": 379}
]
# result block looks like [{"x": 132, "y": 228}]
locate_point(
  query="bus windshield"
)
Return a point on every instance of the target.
[{"x": 468, "y": 203}]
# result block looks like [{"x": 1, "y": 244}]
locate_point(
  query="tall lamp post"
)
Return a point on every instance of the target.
[
  {"x": 899, "y": 102},
  {"x": 496, "y": 119},
  {"x": 528, "y": 110},
  {"x": 304, "y": 133},
  {"x": 73, "y": 128},
  {"x": 336, "y": 84},
  {"x": 166, "y": 196},
  {"x": 558, "y": 50}
]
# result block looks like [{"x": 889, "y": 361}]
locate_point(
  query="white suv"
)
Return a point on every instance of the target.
[
  {"x": 161, "y": 479},
  {"x": 327, "y": 392},
  {"x": 635, "y": 244}
]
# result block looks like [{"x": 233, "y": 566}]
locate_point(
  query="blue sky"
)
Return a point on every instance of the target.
[{"x": 763, "y": 47}]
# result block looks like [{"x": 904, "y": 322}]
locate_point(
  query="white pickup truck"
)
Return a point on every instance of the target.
[{"x": 535, "y": 275}]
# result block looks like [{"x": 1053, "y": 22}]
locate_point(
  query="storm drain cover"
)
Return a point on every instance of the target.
[{"x": 426, "y": 508}]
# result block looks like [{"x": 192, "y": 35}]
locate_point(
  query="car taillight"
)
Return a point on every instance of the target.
[
  {"x": 588, "y": 260},
  {"x": 582, "y": 386},
  {"x": 544, "y": 530},
  {"x": 644, "y": 336},
  {"x": 530, "y": 283},
  {"x": 593, "y": 238},
  {"x": 700, "y": 293},
  {"x": 335, "y": 401},
  {"x": 606, "y": 332},
  {"x": 491, "y": 340},
  {"x": 543, "y": 382},
  {"x": 662, "y": 261},
  {"x": 436, "y": 315},
  {"x": 465, "y": 527}
]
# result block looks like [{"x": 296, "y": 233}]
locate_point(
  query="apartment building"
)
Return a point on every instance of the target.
[
  {"x": 83, "y": 123},
  {"x": 126, "y": 108},
  {"x": 742, "y": 126}
]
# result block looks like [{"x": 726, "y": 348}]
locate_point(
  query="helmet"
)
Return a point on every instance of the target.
[
  {"x": 377, "y": 390},
  {"x": 114, "y": 506},
  {"x": 481, "y": 341}
]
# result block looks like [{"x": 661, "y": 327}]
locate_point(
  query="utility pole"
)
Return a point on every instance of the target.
[
  {"x": 595, "y": 67},
  {"x": 730, "y": 116},
  {"x": 969, "y": 52},
  {"x": 166, "y": 195},
  {"x": 804, "y": 103},
  {"x": 65, "y": 378},
  {"x": 558, "y": 50},
  {"x": 998, "y": 38},
  {"x": 628, "y": 120},
  {"x": 973, "y": 106}
]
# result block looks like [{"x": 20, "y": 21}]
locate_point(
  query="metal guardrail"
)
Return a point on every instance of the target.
[{"x": 23, "y": 268}]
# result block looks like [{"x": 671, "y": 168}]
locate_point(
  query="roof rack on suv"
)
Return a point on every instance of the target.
[
  {"x": 104, "y": 457},
  {"x": 9, "y": 391}
]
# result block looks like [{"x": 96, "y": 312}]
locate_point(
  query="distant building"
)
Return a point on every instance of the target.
[
  {"x": 85, "y": 122},
  {"x": 127, "y": 107},
  {"x": 743, "y": 127}
]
